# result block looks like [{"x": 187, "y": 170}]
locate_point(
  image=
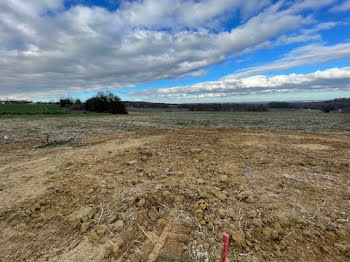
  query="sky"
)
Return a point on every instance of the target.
[{"x": 175, "y": 51}]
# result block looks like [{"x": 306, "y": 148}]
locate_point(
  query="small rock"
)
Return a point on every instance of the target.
[
  {"x": 278, "y": 227},
  {"x": 220, "y": 195},
  {"x": 284, "y": 221},
  {"x": 131, "y": 200},
  {"x": 207, "y": 218},
  {"x": 153, "y": 214},
  {"x": 250, "y": 199},
  {"x": 274, "y": 234},
  {"x": 211, "y": 240},
  {"x": 239, "y": 239},
  {"x": 341, "y": 248},
  {"x": 112, "y": 220},
  {"x": 117, "y": 245},
  {"x": 251, "y": 214},
  {"x": 249, "y": 244},
  {"x": 266, "y": 233},
  {"x": 118, "y": 226},
  {"x": 283, "y": 245},
  {"x": 330, "y": 237},
  {"x": 158, "y": 187},
  {"x": 341, "y": 233},
  {"x": 166, "y": 193},
  {"x": 244, "y": 195},
  {"x": 257, "y": 222},
  {"x": 223, "y": 178},
  {"x": 221, "y": 212},
  {"x": 200, "y": 181},
  {"x": 83, "y": 212},
  {"x": 101, "y": 229},
  {"x": 202, "y": 204},
  {"x": 130, "y": 163},
  {"x": 199, "y": 213},
  {"x": 91, "y": 190},
  {"x": 84, "y": 227},
  {"x": 141, "y": 203}
]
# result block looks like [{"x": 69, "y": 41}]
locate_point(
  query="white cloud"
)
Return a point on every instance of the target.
[
  {"x": 45, "y": 48},
  {"x": 327, "y": 80},
  {"x": 344, "y": 6},
  {"x": 313, "y": 53}
]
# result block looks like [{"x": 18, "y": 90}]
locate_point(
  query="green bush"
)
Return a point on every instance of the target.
[
  {"x": 106, "y": 103},
  {"x": 66, "y": 102}
]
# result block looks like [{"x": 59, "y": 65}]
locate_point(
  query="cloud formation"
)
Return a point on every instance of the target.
[
  {"x": 328, "y": 80},
  {"x": 344, "y": 6},
  {"x": 48, "y": 49},
  {"x": 313, "y": 53}
]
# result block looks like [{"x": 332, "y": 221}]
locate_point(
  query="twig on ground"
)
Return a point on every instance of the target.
[
  {"x": 143, "y": 231},
  {"x": 99, "y": 219}
]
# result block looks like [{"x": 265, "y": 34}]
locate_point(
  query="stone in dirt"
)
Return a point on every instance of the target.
[
  {"x": 83, "y": 212},
  {"x": 257, "y": 222},
  {"x": 131, "y": 200},
  {"x": 221, "y": 196},
  {"x": 153, "y": 214},
  {"x": 84, "y": 227},
  {"x": 210, "y": 226},
  {"x": 330, "y": 237},
  {"x": 266, "y": 233},
  {"x": 221, "y": 212},
  {"x": 252, "y": 213},
  {"x": 199, "y": 213},
  {"x": 202, "y": 204},
  {"x": 101, "y": 229},
  {"x": 117, "y": 245},
  {"x": 283, "y": 220},
  {"x": 223, "y": 178},
  {"x": 90, "y": 191},
  {"x": 239, "y": 238},
  {"x": 341, "y": 233},
  {"x": 118, "y": 226},
  {"x": 200, "y": 181},
  {"x": 250, "y": 199},
  {"x": 244, "y": 195},
  {"x": 141, "y": 203}
]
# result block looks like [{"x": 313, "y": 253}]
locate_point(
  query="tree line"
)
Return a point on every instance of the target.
[{"x": 102, "y": 103}]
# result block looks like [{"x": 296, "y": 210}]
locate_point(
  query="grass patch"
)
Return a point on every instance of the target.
[{"x": 31, "y": 109}]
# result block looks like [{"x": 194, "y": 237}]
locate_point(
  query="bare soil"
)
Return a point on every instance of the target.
[{"x": 169, "y": 194}]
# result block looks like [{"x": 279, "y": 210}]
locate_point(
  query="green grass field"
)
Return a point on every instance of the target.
[
  {"x": 34, "y": 111},
  {"x": 31, "y": 109}
]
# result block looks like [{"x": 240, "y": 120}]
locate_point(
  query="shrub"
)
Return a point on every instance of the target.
[
  {"x": 66, "y": 102},
  {"x": 106, "y": 103}
]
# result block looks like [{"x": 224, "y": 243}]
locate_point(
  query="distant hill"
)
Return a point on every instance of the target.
[{"x": 339, "y": 104}]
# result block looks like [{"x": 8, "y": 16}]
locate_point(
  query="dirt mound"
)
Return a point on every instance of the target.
[{"x": 168, "y": 195}]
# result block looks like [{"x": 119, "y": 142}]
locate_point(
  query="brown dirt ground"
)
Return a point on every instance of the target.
[{"x": 169, "y": 194}]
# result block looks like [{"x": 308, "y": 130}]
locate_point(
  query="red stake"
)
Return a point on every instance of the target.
[{"x": 224, "y": 248}]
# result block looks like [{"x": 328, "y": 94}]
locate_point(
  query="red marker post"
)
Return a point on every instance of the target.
[{"x": 225, "y": 238}]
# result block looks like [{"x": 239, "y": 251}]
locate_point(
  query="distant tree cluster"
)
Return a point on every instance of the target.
[
  {"x": 106, "y": 103},
  {"x": 102, "y": 103},
  {"x": 224, "y": 107}
]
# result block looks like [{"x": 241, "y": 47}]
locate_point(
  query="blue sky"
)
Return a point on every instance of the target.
[{"x": 174, "y": 50}]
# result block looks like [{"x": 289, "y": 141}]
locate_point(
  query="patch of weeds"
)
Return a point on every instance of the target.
[{"x": 69, "y": 142}]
